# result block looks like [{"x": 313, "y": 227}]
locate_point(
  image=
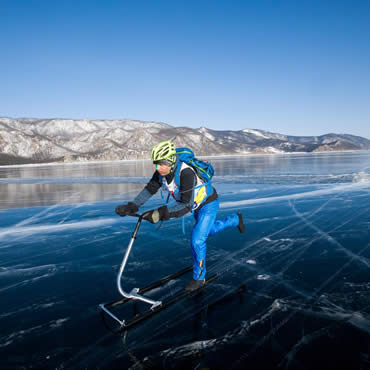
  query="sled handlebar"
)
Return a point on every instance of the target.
[{"x": 137, "y": 224}]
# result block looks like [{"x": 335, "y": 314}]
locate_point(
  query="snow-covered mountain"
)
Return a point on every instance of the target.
[{"x": 27, "y": 140}]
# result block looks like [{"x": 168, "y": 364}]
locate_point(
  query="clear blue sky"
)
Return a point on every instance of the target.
[{"x": 296, "y": 67}]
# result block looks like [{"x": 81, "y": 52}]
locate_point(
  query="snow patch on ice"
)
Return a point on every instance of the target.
[
  {"x": 11, "y": 271},
  {"x": 251, "y": 262},
  {"x": 58, "y": 323},
  {"x": 20, "y": 334},
  {"x": 30, "y": 308},
  {"x": 263, "y": 277},
  {"x": 25, "y": 231},
  {"x": 247, "y": 190},
  {"x": 362, "y": 177},
  {"x": 308, "y": 194}
]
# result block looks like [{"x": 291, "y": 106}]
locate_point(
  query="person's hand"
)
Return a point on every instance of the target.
[
  {"x": 152, "y": 216},
  {"x": 155, "y": 215},
  {"x": 128, "y": 209}
]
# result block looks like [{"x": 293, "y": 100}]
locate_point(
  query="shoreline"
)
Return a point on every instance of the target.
[{"x": 207, "y": 156}]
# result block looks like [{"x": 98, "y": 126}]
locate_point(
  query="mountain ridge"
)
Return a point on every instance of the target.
[{"x": 35, "y": 140}]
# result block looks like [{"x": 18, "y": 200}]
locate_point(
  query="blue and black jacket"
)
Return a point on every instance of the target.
[{"x": 185, "y": 202}]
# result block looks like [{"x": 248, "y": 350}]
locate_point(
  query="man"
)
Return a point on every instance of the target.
[{"x": 191, "y": 194}]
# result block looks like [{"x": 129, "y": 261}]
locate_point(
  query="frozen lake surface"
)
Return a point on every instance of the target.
[{"x": 293, "y": 292}]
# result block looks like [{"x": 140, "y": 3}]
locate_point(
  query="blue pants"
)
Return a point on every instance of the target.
[{"x": 205, "y": 225}]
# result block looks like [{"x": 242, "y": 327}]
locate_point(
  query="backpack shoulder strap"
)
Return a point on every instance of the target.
[{"x": 177, "y": 173}]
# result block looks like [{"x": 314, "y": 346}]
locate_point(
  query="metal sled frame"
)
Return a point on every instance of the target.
[{"x": 156, "y": 306}]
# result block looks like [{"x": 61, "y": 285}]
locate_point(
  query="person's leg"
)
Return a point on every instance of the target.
[
  {"x": 232, "y": 220},
  {"x": 205, "y": 219}
]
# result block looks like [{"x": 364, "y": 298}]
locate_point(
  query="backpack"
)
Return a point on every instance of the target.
[{"x": 203, "y": 169}]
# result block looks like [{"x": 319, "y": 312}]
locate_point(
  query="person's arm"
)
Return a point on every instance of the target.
[
  {"x": 131, "y": 208},
  {"x": 150, "y": 189}
]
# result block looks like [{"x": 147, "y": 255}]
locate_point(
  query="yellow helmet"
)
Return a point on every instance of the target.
[{"x": 165, "y": 151}]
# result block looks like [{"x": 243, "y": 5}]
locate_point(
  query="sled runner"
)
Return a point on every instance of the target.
[{"x": 136, "y": 294}]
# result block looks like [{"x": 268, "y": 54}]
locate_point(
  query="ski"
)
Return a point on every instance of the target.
[
  {"x": 151, "y": 286},
  {"x": 165, "y": 304},
  {"x": 126, "y": 324}
]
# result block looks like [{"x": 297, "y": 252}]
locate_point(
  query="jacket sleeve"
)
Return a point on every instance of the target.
[
  {"x": 185, "y": 204},
  {"x": 150, "y": 189}
]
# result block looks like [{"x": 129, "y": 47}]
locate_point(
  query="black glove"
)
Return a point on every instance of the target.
[
  {"x": 155, "y": 215},
  {"x": 128, "y": 209}
]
